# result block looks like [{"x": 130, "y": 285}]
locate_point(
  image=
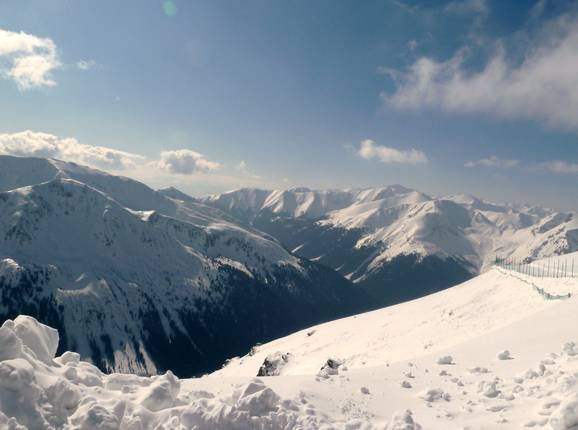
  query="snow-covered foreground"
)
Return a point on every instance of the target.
[
  {"x": 487, "y": 354},
  {"x": 38, "y": 391}
]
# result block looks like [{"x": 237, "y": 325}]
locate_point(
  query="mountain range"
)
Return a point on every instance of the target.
[
  {"x": 135, "y": 280},
  {"x": 398, "y": 243}
]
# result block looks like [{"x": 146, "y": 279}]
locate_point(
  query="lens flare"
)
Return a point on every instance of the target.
[{"x": 169, "y": 8}]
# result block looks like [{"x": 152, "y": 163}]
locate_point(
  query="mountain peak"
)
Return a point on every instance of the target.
[{"x": 175, "y": 193}]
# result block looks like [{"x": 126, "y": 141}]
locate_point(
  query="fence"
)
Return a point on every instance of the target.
[{"x": 550, "y": 268}]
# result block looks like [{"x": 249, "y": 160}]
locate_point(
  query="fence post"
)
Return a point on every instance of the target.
[{"x": 557, "y": 268}]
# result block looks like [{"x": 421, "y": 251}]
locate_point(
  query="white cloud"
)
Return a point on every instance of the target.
[
  {"x": 368, "y": 150},
  {"x": 85, "y": 65},
  {"x": 185, "y": 162},
  {"x": 543, "y": 86},
  {"x": 493, "y": 162},
  {"x": 27, "y": 59},
  {"x": 560, "y": 167},
  {"x": 34, "y": 144}
]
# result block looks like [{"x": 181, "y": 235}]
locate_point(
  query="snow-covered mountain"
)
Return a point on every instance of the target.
[
  {"x": 397, "y": 242},
  {"x": 140, "y": 282},
  {"x": 488, "y": 354}
]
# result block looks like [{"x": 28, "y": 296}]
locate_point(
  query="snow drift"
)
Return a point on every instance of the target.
[{"x": 39, "y": 391}]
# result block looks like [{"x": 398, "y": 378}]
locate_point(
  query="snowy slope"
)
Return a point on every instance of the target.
[
  {"x": 394, "y": 237},
  {"x": 491, "y": 301},
  {"x": 134, "y": 280},
  {"x": 488, "y": 354}
]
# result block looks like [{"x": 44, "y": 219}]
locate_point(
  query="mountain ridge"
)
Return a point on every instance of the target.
[
  {"x": 394, "y": 237},
  {"x": 135, "y": 280}
]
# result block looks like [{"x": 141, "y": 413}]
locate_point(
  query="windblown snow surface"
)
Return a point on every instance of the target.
[{"x": 491, "y": 353}]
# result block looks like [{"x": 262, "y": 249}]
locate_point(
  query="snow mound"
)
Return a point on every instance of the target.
[
  {"x": 39, "y": 391},
  {"x": 24, "y": 336},
  {"x": 566, "y": 416},
  {"x": 403, "y": 421}
]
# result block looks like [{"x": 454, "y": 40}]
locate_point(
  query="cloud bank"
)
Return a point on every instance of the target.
[
  {"x": 34, "y": 144},
  {"x": 542, "y": 86},
  {"x": 27, "y": 59},
  {"x": 369, "y": 150}
]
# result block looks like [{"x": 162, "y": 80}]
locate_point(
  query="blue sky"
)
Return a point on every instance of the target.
[{"x": 473, "y": 96}]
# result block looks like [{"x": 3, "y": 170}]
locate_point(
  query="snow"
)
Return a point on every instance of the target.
[
  {"x": 489, "y": 353},
  {"x": 400, "y": 221},
  {"x": 365, "y": 384},
  {"x": 98, "y": 255},
  {"x": 512, "y": 355},
  {"x": 488, "y": 302},
  {"x": 67, "y": 393},
  {"x": 566, "y": 416}
]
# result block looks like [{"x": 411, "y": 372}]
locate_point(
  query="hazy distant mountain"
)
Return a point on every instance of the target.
[
  {"x": 397, "y": 242},
  {"x": 140, "y": 282}
]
